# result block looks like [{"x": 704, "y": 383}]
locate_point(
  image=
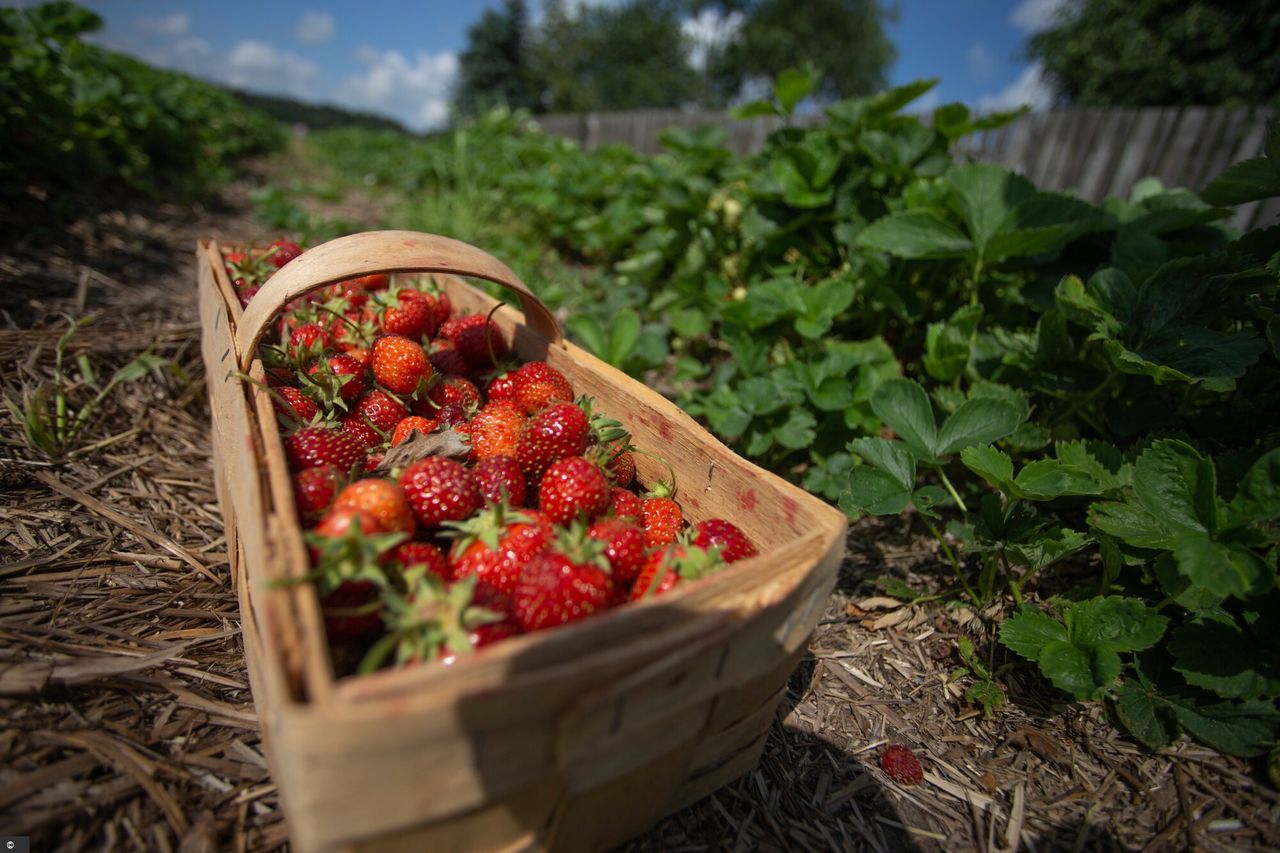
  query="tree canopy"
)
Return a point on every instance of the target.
[
  {"x": 494, "y": 68},
  {"x": 1163, "y": 52}
]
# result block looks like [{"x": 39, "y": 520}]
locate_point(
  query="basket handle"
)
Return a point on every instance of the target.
[{"x": 380, "y": 252}]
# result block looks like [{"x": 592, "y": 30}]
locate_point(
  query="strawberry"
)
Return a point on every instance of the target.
[
  {"x": 294, "y": 405},
  {"x": 666, "y": 567},
  {"x": 346, "y": 296},
  {"x": 496, "y": 429},
  {"x": 432, "y": 621},
  {"x": 280, "y": 252},
  {"x": 718, "y": 533},
  {"x": 245, "y": 296},
  {"x": 247, "y": 270},
  {"x": 412, "y": 424},
  {"x": 566, "y": 582},
  {"x": 314, "y": 490},
  {"x": 452, "y": 415},
  {"x": 448, "y": 390},
  {"x": 423, "y": 554},
  {"x": 622, "y": 468},
  {"x": 623, "y": 547},
  {"x": 571, "y": 488},
  {"x": 440, "y": 490},
  {"x": 408, "y": 312},
  {"x": 625, "y": 505},
  {"x": 496, "y": 544},
  {"x": 375, "y": 416},
  {"x": 446, "y": 359},
  {"x": 347, "y": 549},
  {"x": 308, "y": 341},
  {"x": 399, "y": 364},
  {"x": 500, "y": 479},
  {"x": 335, "y": 381},
  {"x": 537, "y": 384},
  {"x": 478, "y": 339},
  {"x": 372, "y": 283},
  {"x": 901, "y": 765},
  {"x": 444, "y": 308},
  {"x": 315, "y": 445},
  {"x": 381, "y": 499},
  {"x": 555, "y": 433},
  {"x": 662, "y": 520},
  {"x": 502, "y": 387}
]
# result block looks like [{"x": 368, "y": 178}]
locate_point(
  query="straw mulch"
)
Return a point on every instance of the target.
[{"x": 128, "y": 723}]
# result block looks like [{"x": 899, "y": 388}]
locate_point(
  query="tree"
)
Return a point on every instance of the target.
[
  {"x": 1163, "y": 52},
  {"x": 494, "y": 68},
  {"x": 613, "y": 58},
  {"x": 844, "y": 39}
]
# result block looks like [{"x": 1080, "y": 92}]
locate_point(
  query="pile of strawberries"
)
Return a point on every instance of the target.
[{"x": 453, "y": 497}]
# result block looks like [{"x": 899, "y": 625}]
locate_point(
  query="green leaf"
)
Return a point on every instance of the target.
[
  {"x": 793, "y": 86},
  {"x": 139, "y": 367},
  {"x": 979, "y": 420},
  {"x": 1222, "y": 658},
  {"x": 891, "y": 100},
  {"x": 889, "y": 456},
  {"x": 797, "y": 431},
  {"x": 986, "y": 196},
  {"x": 588, "y": 330},
  {"x": 1258, "y": 494},
  {"x": 1246, "y": 181},
  {"x": 992, "y": 465},
  {"x": 624, "y": 331},
  {"x": 1132, "y": 523},
  {"x": 1178, "y": 485},
  {"x": 754, "y": 109},
  {"x": 1221, "y": 568},
  {"x": 1028, "y": 632},
  {"x": 1145, "y": 715},
  {"x": 1085, "y": 673},
  {"x": 1245, "y": 728},
  {"x": 946, "y": 352},
  {"x": 987, "y": 694},
  {"x": 1047, "y": 546},
  {"x": 904, "y": 406},
  {"x": 915, "y": 234},
  {"x": 874, "y": 491},
  {"x": 1114, "y": 622}
]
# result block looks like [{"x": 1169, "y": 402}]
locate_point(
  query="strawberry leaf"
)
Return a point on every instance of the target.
[
  {"x": 1219, "y": 656},
  {"x": 904, "y": 406}
]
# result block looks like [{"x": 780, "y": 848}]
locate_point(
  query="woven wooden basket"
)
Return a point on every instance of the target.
[{"x": 575, "y": 738}]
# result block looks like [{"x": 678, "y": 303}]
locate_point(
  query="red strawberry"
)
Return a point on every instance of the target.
[
  {"x": 496, "y": 545},
  {"x": 351, "y": 610},
  {"x": 625, "y": 505},
  {"x": 374, "y": 282},
  {"x": 309, "y": 340},
  {"x": 346, "y": 296},
  {"x": 901, "y": 765},
  {"x": 446, "y": 391},
  {"x": 410, "y": 313},
  {"x": 440, "y": 490},
  {"x": 666, "y": 567},
  {"x": 496, "y": 429},
  {"x": 568, "y": 581},
  {"x": 433, "y": 621},
  {"x": 374, "y": 418},
  {"x": 623, "y": 546},
  {"x": 381, "y": 499},
  {"x": 538, "y": 384},
  {"x": 347, "y": 549},
  {"x": 446, "y": 359},
  {"x": 662, "y": 520},
  {"x": 500, "y": 479},
  {"x": 452, "y": 415},
  {"x": 314, "y": 445},
  {"x": 336, "y": 378},
  {"x": 555, "y": 433},
  {"x": 718, "y": 533},
  {"x": 423, "y": 554},
  {"x": 246, "y": 295},
  {"x": 478, "y": 339},
  {"x": 314, "y": 490},
  {"x": 571, "y": 488},
  {"x": 399, "y": 364},
  {"x": 502, "y": 387},
  {"x": 412, "y": 424},
  {"x": 622, "y": 468},
  {"x": 294, "y": 405},
  {"x": 280, "y": 252}
]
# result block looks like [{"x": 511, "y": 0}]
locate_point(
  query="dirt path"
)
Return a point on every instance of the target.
[{"x": 127, "y": 720}]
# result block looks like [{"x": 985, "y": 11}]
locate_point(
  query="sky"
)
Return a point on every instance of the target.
[{"x": 400, "y": 58}]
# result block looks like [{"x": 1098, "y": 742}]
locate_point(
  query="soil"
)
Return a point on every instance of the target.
[{"x": 125, "y": 716}]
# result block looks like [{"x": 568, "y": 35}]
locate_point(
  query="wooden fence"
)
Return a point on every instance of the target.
[{"x": 1093, "y": 152}]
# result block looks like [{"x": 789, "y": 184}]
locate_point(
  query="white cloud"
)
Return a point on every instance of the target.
[
  {"x": 982, "y": 63},
  {"x": 192, "y": 47},
  {"x": 177, "y": 24},
  {"x": 1034, "y": 15},
  {"x": 707, "y": 30},
  {"x": 1030, "y": 88},
  {"x": 415, "y": 92},
  {"x": 315, "y": 27},
  {"x": 257, "y": 65}
]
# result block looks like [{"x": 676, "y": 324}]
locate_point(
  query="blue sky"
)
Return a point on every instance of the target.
[{"x": 400, "y": 58}]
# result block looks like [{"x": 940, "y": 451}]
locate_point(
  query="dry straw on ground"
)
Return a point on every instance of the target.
[{"x": 125, "y": 715}]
